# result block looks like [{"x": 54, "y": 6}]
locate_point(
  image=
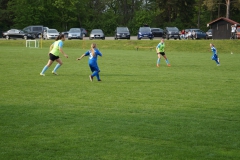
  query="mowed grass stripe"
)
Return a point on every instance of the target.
[{"x": 187, "y": 111}]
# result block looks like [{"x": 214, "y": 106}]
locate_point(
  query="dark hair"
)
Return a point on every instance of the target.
[{"x": 60, "y": 36}]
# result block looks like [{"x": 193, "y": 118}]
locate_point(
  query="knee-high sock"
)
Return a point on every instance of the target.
[
  {"x": 167, "y": 61},
  {"x": 44, "y": 69},
  {"x": 98, "y": 77},
  {"x": 158, "y": 61},
  {"x": 94, "y": 73},
  {"x": 56, "y": 67}
]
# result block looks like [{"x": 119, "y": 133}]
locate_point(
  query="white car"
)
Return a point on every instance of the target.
[{"x": 50, "y": 34}]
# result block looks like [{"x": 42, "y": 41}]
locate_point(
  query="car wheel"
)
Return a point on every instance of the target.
[
  {"x": 103, "y": 38},
  {"x": 7, "y": 37},
  {"x": 69, "y": 38},
  {"x": 25, "y": 37}
]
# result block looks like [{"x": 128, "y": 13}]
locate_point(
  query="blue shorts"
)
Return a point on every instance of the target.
[{"x": 94, "y": 67}]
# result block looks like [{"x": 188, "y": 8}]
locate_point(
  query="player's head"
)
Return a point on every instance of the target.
[
  {"x": 162, "y": 40},
  {"x": 93, "y": 45},
  {"x": 60, "y": 36},
  {"x": 211, "y": 45}
]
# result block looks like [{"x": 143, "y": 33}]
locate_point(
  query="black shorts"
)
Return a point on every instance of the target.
[
  {"x": 53, "y": 57},
  {"x": 162, "y": 53}
]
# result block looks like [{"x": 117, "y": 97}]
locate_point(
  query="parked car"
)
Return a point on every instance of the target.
[
  {"x": 16, "y": 33},
  {"x": 84, "y": 32},
  {"x": 97, "y": 34},
  {"x": 50, "y": 34},
  {"x": 145, "y": 33},
  {"x": 196, "y": 34},
  {"x": 36, "y": 30},
  {"x": 157, "y": 32},
  {"x": 171, "y": 32},
  {"x": 209, "y": 34},
  {"x": 75, "y": 33},
  {"x": 122, "y": 33}
]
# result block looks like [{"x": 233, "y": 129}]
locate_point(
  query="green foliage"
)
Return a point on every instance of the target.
[
  {"x": 187, "y": 111},
  {"x": 109, "y": 14}
]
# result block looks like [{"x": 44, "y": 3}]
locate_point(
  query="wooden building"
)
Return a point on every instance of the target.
[{"x": 221, "y": 28}]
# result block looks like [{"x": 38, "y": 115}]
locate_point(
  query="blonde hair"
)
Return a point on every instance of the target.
[{"x": 93, "y": 45}]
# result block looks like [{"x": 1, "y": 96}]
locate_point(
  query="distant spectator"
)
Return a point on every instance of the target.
[
  {"x": 193, "y": 34},
  {"x": 183, "y": 34},
  {"x": 233, "y": 31}
]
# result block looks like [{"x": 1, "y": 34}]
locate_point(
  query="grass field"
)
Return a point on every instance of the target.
[{"x": 190, "y": 110}]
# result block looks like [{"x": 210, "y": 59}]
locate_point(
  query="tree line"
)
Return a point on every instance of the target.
[{"x": 108, "y": 14}]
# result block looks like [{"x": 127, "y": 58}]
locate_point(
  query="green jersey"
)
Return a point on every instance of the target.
[
  {"x": 56, "y": 45},
  {"x": 160, "y": 47}
]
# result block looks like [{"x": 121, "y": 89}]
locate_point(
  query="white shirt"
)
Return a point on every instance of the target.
[{"x": 233, "y": 28}]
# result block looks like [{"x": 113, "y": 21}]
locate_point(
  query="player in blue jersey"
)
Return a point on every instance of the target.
[
  {"x": 93, "y": 54},
  {"x": 215, "y": 55},
  {"x": 54, "y": 52}
]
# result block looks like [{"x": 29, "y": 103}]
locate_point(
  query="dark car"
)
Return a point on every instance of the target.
[
  {"x": 16, "y": 33},
  {"x": 37, "y": 30},
  {"x": 157, "y": 32},
  {"x": 145, "y": 33},
  {"x": 97, "y": 34},
  {"x": 196, "y": 34},
  {"x": 75, "y": 33},
  {"x": 84, "y": 32},
  {"x": 171, "y": 32},
  {"x": 122, "y": 33},
  {"x": 209, "y": 34}
]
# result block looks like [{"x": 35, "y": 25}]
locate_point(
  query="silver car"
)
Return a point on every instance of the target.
[
  {"x": 75, "y": 33},
  {"x": 97, "y": 34},
  {"x": 50, "y": 34}
]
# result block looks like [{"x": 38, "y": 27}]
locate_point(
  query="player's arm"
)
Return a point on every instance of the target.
[
  {"x": 157, "y": 48},
  {"x": 61, "y": 50},
  {"x": 81, "y": 57}
]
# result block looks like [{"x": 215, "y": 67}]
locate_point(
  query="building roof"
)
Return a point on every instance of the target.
[{"x": 222, "y": 18}]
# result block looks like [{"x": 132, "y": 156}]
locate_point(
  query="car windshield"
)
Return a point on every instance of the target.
[
  {"x": 52, "y": 31},
  {"x": 122, "y": 29},
  {"x": 97, "y": 31},
  {"x": 75, "y": 30},
  {"x": 155, "y": 29},
  {"x": 144, "y": 29},
  {"x": 173, "y": 29}
]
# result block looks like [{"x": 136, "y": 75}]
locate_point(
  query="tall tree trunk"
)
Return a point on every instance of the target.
[{"x": 228, "y": 8}]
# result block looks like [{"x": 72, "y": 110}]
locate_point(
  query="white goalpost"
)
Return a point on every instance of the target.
[{"x": 32, "y": 43}]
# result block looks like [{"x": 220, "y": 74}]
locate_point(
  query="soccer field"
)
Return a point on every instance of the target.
[{"x": 190, "y": 110}]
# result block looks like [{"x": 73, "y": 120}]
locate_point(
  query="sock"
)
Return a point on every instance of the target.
[
  {"x": 98, "y": 77},
  {"x": 158, "y": 61},
  {"x": 94, "y": 73},
  {"x": 44, "y": 69},
  {"x": 167, "y": 61},
  {"x": 56, "y": 67}
]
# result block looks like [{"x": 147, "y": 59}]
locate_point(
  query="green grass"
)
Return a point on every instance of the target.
[{"x": 190, "y": 110}]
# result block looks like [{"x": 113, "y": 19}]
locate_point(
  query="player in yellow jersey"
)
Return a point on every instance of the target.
[
  {"x": 160, "y": 49},
  {"x": 54, "y": 51}
]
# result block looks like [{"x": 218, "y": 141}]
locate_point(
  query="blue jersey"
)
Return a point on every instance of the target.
[
  {"x": 93, "y": 59},
  {"x": 214, "y": 50},
  {"x": 214, "y": 56}
]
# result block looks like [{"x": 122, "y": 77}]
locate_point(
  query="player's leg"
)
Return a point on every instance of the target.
[
  {"x": 46, "y": 67},
  {"x": 158, "y": 60},
  {"x": 165, "y": 57},
  {"x": 57, "y": 66}
]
